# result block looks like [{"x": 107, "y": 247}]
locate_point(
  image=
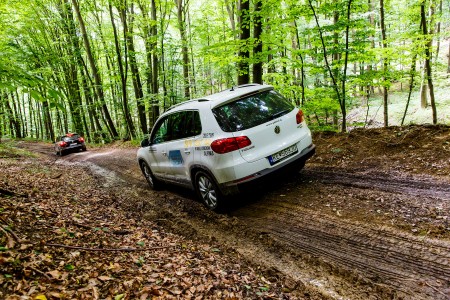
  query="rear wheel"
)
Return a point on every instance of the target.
[
  {"x": 208, "y": 191},
  {"x": 152, "y": 181}
]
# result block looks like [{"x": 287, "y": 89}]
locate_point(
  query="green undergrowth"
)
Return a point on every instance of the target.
[{"x": 8, "y": 149}]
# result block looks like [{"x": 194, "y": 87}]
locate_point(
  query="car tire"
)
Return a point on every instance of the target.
[
  {"x": 154, "y": 183},
  {"x": 59, "y": 152},
  {"x": 83, "y": 149},
  {"x": 208, "y": 191}
]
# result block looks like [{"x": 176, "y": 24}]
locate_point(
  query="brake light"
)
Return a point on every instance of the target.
[
  {"x": 223, "y": 146},
  {"x": 62, "y": 144},
  {"x": 299, "y": 116},
  {"x": 81, "y": 140}
]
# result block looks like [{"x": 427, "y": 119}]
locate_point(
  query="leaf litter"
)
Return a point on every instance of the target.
[{"x": 63, "y": 237}]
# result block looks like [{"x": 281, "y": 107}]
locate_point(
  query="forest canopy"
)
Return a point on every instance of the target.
[{"x": 107, "y": 68}]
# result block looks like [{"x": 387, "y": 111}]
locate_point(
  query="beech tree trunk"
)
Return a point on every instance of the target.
[
  {"x": 122, "y": 73},
  {"x": 257, "y": 49},
  {"x": 385, "y": 65},
  {"x": 95, "y": 72},
  {"x": 428, "y": 61},
  {"x": 244, "y": 55},
  {"x": 181, "y": 16},
  {"x": 136, "y": 77}
]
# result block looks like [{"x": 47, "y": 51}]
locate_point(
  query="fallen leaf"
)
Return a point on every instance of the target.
[
  {"x": 40, "y": 297},
  {"x": 104, "y": 278},
  {"x": 55, "y": 274}
]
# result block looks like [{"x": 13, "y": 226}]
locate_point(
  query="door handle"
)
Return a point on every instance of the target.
[
  {"x": 164, "y": 153},
  {"x": 187, "y": 151}
]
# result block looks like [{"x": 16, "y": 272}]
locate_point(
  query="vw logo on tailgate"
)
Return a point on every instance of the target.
[{"x": 277, "y": 129}]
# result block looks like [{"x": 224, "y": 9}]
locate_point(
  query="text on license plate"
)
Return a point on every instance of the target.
[{"x": 279, "y": 156}]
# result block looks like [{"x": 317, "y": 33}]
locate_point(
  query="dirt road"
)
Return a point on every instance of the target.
[{"x": 346, "y": 231}]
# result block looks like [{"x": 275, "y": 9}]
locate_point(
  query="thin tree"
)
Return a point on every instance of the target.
[
  {"x": 385, "y": 65},
  {"x": 95, "y": 72},
  {"x": 123, "y": 73},
  {"x": 428, "y": 60},
  {"x": 135, "y": 75}
]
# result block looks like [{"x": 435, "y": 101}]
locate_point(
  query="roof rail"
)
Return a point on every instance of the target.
[
  {"x": 244, "y": 85},
  {"x": 247, "y": 84},
  {"x": 184, "y": 102}
]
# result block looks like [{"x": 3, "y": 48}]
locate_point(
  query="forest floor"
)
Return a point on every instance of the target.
[{"x": 367, "y": 218}]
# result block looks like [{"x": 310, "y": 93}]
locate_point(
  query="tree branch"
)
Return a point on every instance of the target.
[{"x": 106, "y": 249}]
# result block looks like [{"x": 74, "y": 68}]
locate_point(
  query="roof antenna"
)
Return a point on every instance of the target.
[{"x": 232, "y": 88}]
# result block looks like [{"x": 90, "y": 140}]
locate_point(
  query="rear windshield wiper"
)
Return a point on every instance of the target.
[{"x": 279, "y": 114}]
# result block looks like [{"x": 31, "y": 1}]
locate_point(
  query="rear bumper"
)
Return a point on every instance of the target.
[{"x": 236, "y": 186}]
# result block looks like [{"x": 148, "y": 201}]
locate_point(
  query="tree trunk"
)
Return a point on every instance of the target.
[
  {"x": 136, "y": 77},
  {"x": 154, "y": 32},
  {"x": 411, "y": 86},
  {"x": 448, "y": 58},
  {"x": 302, "y": 67},
  {"x": 257, "y": 49},
  {"x": 230, "y": 10},
  {"x": 244, "y": 55},
  {"x": 95, "y": 72},
  {"x": 385, "y": 65},
  {"x": 428, "y": 61},
  {"x": 438, "y": 31},
  {"x": 122, "y": 72},
  {"x": 181, "y": 15},
  {"x": 327, "y": 64},
  {"x": 14, "y": 123}
]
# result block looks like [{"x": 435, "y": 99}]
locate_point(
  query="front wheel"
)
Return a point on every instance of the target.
[
  {"x": 151, "y": 180},
  {"x": 208, "y": 191}
]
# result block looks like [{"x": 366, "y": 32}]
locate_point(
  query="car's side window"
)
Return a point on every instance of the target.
[
  {"x": 179, "y": 125},
  {"x": 194, "y": 125},
  {"x": 161, "y": 133}
]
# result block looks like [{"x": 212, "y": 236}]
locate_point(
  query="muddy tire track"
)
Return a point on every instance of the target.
[
  {"x": 416, "y": 266},
  {"x": 394, "y": 182}
]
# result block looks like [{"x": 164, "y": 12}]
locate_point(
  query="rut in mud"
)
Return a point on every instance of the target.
[{"x": 345, "y": 231}]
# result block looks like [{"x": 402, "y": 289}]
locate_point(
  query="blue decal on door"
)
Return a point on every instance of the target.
[{"x": 175, "y": 157}]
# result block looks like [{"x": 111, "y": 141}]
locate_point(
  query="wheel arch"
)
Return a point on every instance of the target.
[{"x": 195, "y": 168}]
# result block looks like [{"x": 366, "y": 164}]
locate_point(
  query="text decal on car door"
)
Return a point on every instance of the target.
[{"x": 175, "y": 157}]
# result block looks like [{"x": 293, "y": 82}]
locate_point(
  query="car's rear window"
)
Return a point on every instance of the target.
[
  {"x": 70, "y": 138},
  {"x": 252, "y": 111}
]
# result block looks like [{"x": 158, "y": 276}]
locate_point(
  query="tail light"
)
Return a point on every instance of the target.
[
  {"x": 62, "y": 144},
  {"x": 81, "y": 140},
  {"x": 299, "y": 116},
  {"x": 223, "y": 146}
]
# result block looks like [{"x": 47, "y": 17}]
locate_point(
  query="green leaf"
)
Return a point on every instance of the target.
[
  {"x": 118, "y": 297},
  {"x": 69, "y": 267},
  {"x": 336, "y": 150},
  {"x": 264, "y": 288},
  {"x": 142, "y": 244},
  {"x": 215, "y": 250}
]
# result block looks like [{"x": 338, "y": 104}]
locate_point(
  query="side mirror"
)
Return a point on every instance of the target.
[{"x": 145, "y": 143}]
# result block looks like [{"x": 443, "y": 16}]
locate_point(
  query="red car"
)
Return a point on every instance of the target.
[{"x": 69, "y": 142}]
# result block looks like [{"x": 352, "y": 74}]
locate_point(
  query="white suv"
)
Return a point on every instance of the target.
[{"x": 218, "y": 143}]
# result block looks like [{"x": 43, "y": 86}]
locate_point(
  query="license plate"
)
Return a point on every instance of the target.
[{"x": 285, "y": 153}]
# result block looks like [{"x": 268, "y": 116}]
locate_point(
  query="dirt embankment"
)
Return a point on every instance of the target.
[{"x": 368, "y": 217}]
